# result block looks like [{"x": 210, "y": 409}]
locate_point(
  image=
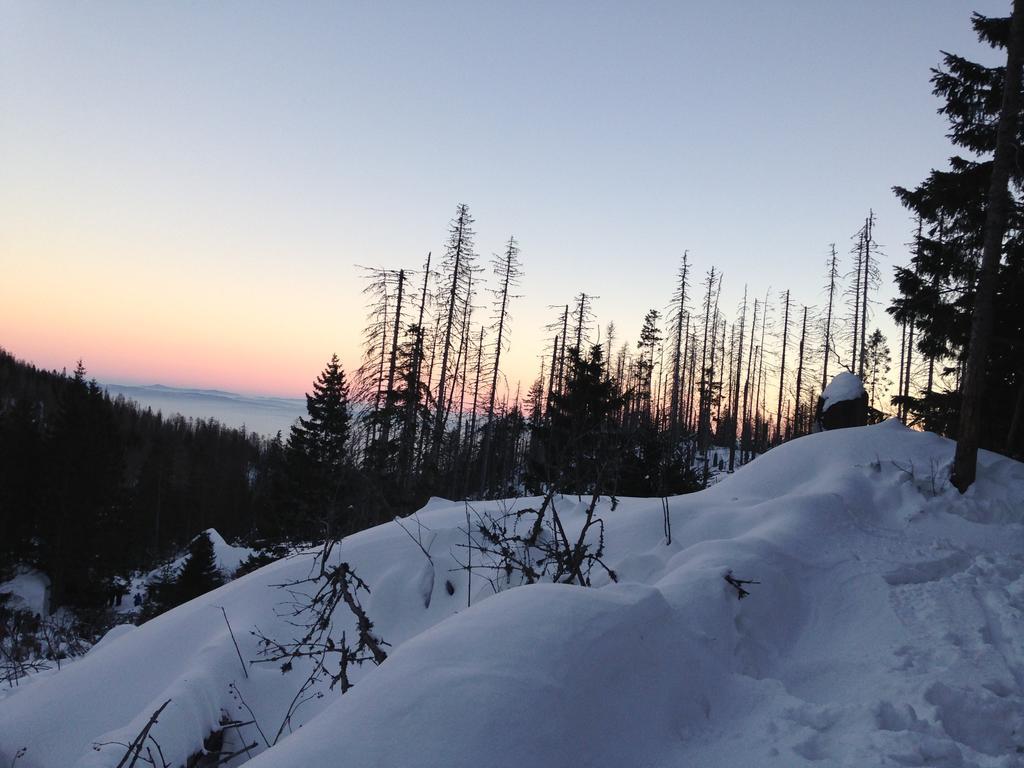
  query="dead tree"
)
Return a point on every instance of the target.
[
  {"x": 408, "y": 439},
  {"x": 858, "y": 265},
  {"x": 528, "y": 546},
  {"x": 583, "y": 314},
  {"x": 508, "y": 270},
  {"x": 312, "y": 609},
  {"x": 457, "y": 271},
  {"x": 703, "y": 405},
  {"x": 869, "y": 280},
  {"x": 677, "y": 317},
  {"x": 833, "y": 274},
  {"x": 736, "y": 388},
  {"x": 782, "y": 369},
  {"x": 746, "y": 441},
  {"x": 389, "y": 392},
  {"x": 799, "y": 377}
]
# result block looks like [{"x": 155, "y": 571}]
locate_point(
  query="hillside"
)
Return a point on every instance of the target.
[{"x": 884, "y": 630}]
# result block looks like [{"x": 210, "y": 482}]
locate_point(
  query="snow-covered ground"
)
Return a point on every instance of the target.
[
  {"x": 228, "y": 559},
  {"x": 29, "y": 590},
  {"x": 886, "y": 629}
]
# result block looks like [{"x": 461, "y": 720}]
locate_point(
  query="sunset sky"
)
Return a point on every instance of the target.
[{"x": 187, "y": 187}]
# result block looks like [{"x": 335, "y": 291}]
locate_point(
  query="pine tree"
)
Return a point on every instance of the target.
[
  {"x": 83, "y": 505},
  {"x": 650, "y": 336},
  {"x": 879, "y": 362},
  {"x": 997, "y": 212},
  {"x": 577, "y": 450},
  {"x": 317, "y": 457},
  {"x": 199, "y": 573},
  {"x": 941, "y": 289}
]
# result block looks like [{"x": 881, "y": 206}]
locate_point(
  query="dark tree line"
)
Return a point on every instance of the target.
[{"x": 93, "y": 487}]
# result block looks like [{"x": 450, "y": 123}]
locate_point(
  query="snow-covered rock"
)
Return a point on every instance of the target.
[
  {"x": 843, "y": 403},
  {"x": 884, "y": 630},
  {"x": 844, "y": 386},
  {"x": 29, "y": 590}
]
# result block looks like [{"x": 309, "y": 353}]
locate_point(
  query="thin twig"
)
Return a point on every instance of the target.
[{"x": 232, "y": 633}]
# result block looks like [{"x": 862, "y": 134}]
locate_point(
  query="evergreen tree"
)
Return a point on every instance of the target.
[
  {"x": 938, "y": 288},
  {"x": 199, "y": 573},
  {"x": 21, "y": 482},
  {"x": 650, "y": 336},
  {"x": 83, "y": 505},
  {"x": 879, "y": 363},
  {"x": 316, "y": 453},
  {"x": 578, "y": 449}
]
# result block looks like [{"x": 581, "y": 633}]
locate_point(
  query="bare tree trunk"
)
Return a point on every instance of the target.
[
  {"x": 828, "y": 318},
  {"x": 782, "y": 371},
  {"x": 903, "y": 354},
  {"x": 459, "y": 250},
  {"x": 412, "y": 398},
  {"x": 476, "y": 400},
  {"x": 701, "y": 436},
  {"x": 464, "y": 350},
  {"x": 799, "y": 377},
  {"x": 686, "y": 386},
  {"x": 864, "y": 298},
  {"x": 745, "y": 444},
  {"x": 677, "y": 352},
  {"x": 561, "y": 359},
  {"x": 551, "y": 380},
  {"x": 965, "y": 462},
  {"x": 906, "y": 380},
  {"x": 389, "y": 391},
  {"x": 736, "y": 389},
  {"x": 508, "y": 271},
  {"x": 856, "y": 303}
]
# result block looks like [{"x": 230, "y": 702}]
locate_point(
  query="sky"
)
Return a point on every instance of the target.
[{"x": 188, "y": 187}]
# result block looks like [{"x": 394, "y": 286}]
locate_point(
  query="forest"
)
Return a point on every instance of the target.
[{"x": 91, "y": 487}]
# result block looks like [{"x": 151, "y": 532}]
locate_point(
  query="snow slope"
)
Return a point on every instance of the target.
[{"x": 886, "y": 630}]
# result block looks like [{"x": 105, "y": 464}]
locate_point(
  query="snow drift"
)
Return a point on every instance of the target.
[{"x": 885, "y": 630}]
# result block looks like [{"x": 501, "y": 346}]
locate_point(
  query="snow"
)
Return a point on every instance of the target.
[
  {"x": 844, "y": 386},
  {"x": 30, "y": 590},
  {"x": 885, "y": 630},
  {"x": 228, "y": 557}
]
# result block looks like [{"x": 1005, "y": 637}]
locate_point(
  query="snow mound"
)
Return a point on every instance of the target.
[
  {"x": 844, "y": 386},
  {"x": 228, "y": 557},
  {"x": 29, "y": 590},
  {"x": 884, "y": 630}
]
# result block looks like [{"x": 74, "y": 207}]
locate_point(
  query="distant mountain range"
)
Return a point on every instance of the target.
[{"x": 265, "y": 415}]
